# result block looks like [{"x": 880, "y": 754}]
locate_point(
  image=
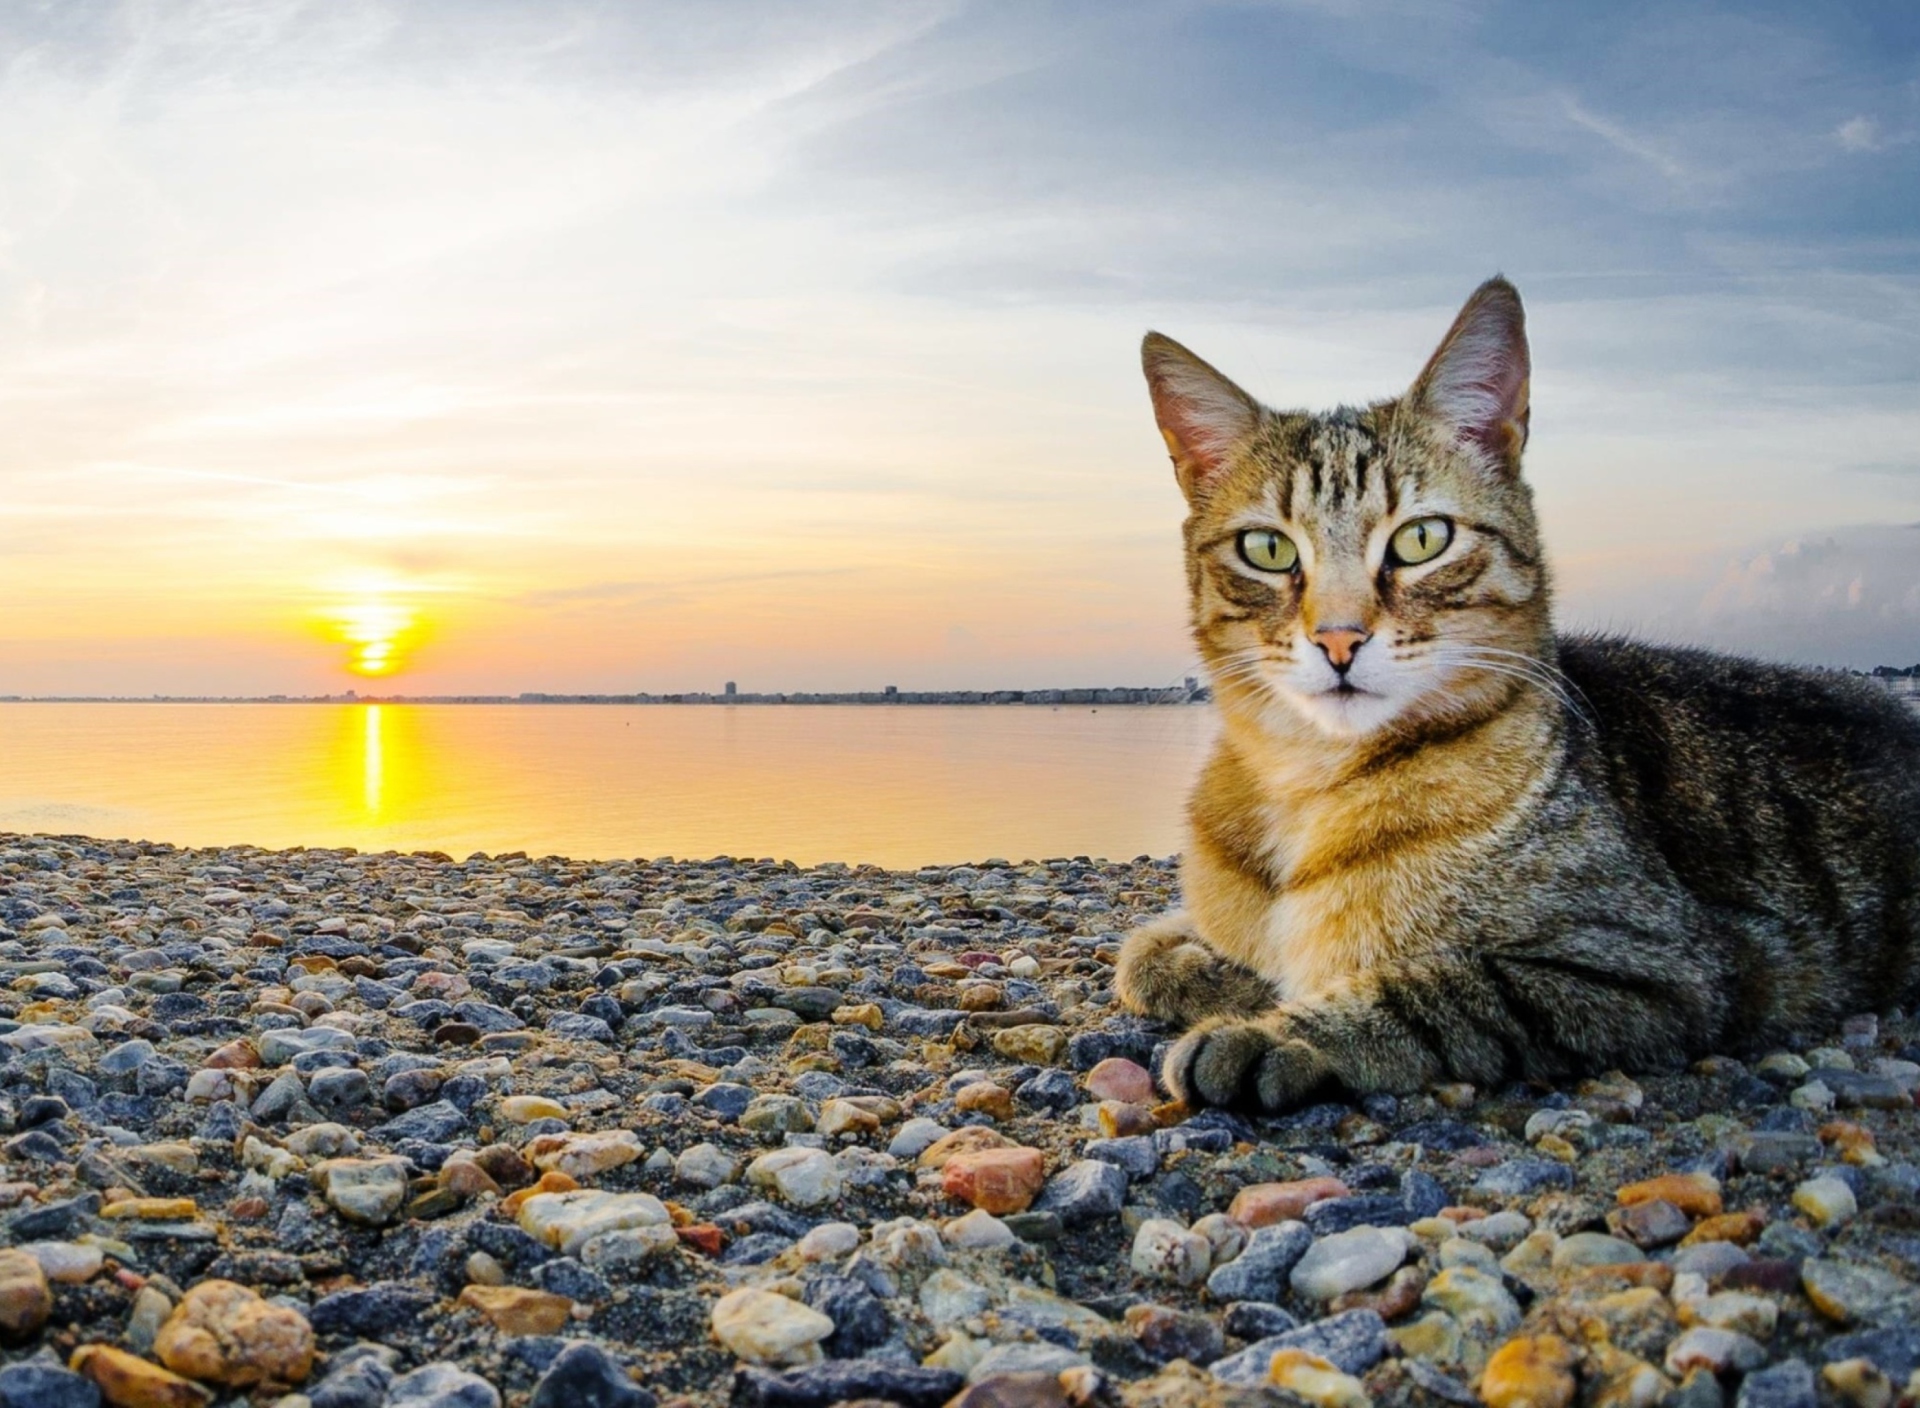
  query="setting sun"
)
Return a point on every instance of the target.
[{"x": 376, "y": 631}]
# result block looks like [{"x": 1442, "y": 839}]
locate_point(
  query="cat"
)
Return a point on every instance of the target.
[{"x": 1436, "y": 841}]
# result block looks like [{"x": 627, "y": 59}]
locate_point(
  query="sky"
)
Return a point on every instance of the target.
[{"x": 477, "y": 346}]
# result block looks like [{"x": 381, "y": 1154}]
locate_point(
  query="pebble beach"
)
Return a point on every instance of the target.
[{"x": 333, "y": 1130}]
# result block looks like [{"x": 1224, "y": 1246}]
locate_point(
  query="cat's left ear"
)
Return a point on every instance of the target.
[{"x": 1476, "y": 383}]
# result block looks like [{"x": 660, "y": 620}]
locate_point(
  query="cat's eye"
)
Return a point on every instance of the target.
[
  {"x": 1419, "y": 541},
  {"x": 1268, "y": 550}
]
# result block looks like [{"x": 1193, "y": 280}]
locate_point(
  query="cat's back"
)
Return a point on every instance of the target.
[
  {"x": 1786, "y": 800},
  {"x": 1671, "y": 719}
]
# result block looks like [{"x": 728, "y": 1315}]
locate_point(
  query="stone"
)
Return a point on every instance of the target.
[
  {"x": 1859, "y": 1383},
  {"x": 518, "y": 1310},
  {"x": 441, "y": 1386},
  {"x": 1478, "y": 1302},
  {"x": 583, "y": 1156},
  {"x": 1788, "y": 1384},
  {"x": 1034, "y": 1044},
  {"x": 1750, "y": 1315},
  {"x": 1695, "y": 1194},
  {"x": 226, "y": 1334},
  {"x": 1895, "y": 1351},
  {"x": 1854, "y": 1294},
  {"x": 806, "y": 1178},
  {"x": 947, "y": 1297},
  {"x": 1171, "y": 1334},
  {"x": 829, "y": 1241},
  {"x": 584, "y": 1375},
  {"x": 1720, "y": 1351},
  {"x": 860, "y": 1319},
  {"x": 1826, "y": 1201},
  {"x": 26, "y": 1300},
  {"x": 854, "y": 1381},
  {"x": 1519, "y": 1178},
  {"x": 763, "y": 1328},
  {"x": 1263, "y": 1204},
  {"x": 1083, "y": 1192},
  {"x": 997, "y": 1180},
  {"x": 1260, "y": 1272},
  {"x": 1352, "y": 1341},
  {"x": 1316, "y": 1380},
  {"x": 705, "y": 1166},
  {"x": 914, "y": 1137},
  {"x": 1653, "y": 1223},
  {"x": 1594, "y": 1249},
  {"x": 40, "y": 1384},
  {"x": 1117, "y": 1078},
  {"x": 983, "y": 1097},
  {"x": 1534, "y": 1371},
  {"x": 370, "y": 1192},
  {"x": 128, "y": 1381},
  {"x": 567, "y": 1221},
  {"x": 979, "y": 1231},
  {"x": 1163, "y": 1250},
  {"x": 1348, "y": 1261}
]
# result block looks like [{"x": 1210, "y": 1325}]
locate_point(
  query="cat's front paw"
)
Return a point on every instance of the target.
[{"x": 1239, "y": 1065}]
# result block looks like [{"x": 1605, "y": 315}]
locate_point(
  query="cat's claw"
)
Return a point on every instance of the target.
[{"x": 1244, "y": 1066}]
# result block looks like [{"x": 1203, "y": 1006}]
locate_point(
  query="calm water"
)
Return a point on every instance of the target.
[{"x": 899, "y": 787}]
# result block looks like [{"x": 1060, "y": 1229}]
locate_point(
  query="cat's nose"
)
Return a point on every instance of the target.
[{"x": 1341, "y": 644}]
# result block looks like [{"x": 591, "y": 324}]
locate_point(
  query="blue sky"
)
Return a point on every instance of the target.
[{"x": 640, "y": 345}]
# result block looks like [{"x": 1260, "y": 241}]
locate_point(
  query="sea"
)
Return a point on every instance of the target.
[{"x": 901, "y": 786}]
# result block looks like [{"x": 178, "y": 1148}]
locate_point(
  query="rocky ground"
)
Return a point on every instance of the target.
[{"x": 345, "y": 1130}]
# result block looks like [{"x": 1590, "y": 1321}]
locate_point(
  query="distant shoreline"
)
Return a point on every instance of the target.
[
  {"x": 1903, "y": 682},
  {"x": 1188, "y": 693}
]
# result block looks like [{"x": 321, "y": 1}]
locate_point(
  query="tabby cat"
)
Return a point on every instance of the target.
[{"x": 1438, "y": 841}]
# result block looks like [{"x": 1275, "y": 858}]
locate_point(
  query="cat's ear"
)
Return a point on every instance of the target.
[
  {"x": 1476, "y": 383},
  {"x": 1203, "y": 416}
]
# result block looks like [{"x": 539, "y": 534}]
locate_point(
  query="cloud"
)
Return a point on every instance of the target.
[
  {"x": 1847, "y": 596},
  {"x": 1858, "y": 134}
]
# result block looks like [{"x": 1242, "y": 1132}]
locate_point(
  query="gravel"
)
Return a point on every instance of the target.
[{"x": 427, "y": 1133}]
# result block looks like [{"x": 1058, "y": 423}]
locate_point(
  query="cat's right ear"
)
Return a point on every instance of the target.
[{"x": 1203, "y": 417}]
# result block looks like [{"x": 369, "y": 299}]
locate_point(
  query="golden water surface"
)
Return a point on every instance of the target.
[{"x": 899, "y": 786}]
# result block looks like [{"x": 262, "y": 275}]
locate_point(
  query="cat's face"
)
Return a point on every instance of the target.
[{"x": 1365, "y": 570}]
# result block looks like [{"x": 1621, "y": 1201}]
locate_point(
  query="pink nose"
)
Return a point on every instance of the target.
[{"x": 1341, "y": 643}]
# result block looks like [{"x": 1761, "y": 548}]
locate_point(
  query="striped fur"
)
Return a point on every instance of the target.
[{"x": 1487, "y": 851}]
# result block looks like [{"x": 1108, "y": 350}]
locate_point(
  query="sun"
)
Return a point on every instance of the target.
[{"x": 376, "y": 628}]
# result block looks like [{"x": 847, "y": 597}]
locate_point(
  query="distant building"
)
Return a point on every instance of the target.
[
  {"x": 893, "y": 691},
  {"x": 732, "y": 689}
]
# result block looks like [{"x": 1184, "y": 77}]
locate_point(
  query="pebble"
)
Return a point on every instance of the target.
[
  {"x": 1260, "y": 1272},
  {"x": 1347, "y": 1261},
  {"x": 441, "y": 1386},
  {"x": 806, "y": 1178},
  {"x": 39, "y": 1384},
  {"x": 996, "y": 1180},
  {"x": 370, "y": 1192},
  {"x": 1534, "y": 1371},
  {"x": 128, "y": 1381},
  {"x": 763, "y": 1328},
  {"x": 519, "y": 1310},
  {"x": 1316, "y": 1380},
  {"x": 583, "y": 1375},
  {"x": 1262, "y": 1204},
  {"x": 226, "y": 1334},
  {"x": 26, "y": 1301},
  {"x": 1827, "y": 1202},
  {"x": 569, "y": 1220},
  {"x": 1163, "y": 1250}
]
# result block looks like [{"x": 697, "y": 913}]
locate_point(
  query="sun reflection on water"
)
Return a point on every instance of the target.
[{"x": 373, "y": 761}]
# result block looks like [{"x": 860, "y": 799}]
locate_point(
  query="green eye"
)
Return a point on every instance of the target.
[
  {"x": 1269, "y": 551},
  {"x": 1419, "y": 541}
]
